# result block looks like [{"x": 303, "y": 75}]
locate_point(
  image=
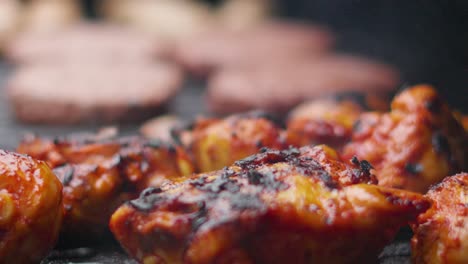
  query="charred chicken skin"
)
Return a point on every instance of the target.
[
  {"x": 441, "y": 233},
  {"x": 414, "y": 145},
  {"x": 291, "y": 206},
  {"x": 30, "y": 208},
  {"x": 216, "y": 143},
  {"x": 99, "y": 174}
]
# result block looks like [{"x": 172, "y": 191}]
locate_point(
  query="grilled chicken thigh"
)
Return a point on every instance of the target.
[
  {"x": 99, "y": 174},
  {"x": 291, "y": 206},
  {"x": 414, "y": 145}
]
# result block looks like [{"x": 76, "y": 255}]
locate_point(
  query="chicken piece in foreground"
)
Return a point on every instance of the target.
[
  {"x": 216, "y": 143},
  {"x": 441, "y": 233},
  {"x": 291, "y": 206},
  {"x": 30, "y": 209},
  {"x": 99, "y": 173},
  {"x": 415, "y": 145},
  {"x": 325, "y": 121}
]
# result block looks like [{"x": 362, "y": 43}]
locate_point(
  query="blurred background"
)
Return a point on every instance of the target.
[{"x": 274, "y": 51}]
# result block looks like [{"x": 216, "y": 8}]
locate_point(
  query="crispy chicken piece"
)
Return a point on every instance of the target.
[
  {"x": 441, "y": 233},
  {"x": 100, "y": 173},
  {"x": 91, "y": 193},
  {"x": 415, "y": 145},
  {"x": 330, "y": 120},
  {"x": 292, "y": 206},
  {"x": 148, "y": 162},
  {"x": 216, "y": 143},
  {"x": 75, "y": 148},
  {"x": 30, "y": 209},
  {"x": 325, "y": 121}
]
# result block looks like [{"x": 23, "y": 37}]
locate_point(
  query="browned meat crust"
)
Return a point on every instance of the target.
[
  {"x": 291, "y": 206},
  {"x": 414, "y": 145},
  {"x": 441, "y": 233}
]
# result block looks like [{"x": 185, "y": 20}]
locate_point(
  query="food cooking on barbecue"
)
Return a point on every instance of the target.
[
  {"x": 86, "y": 42},
  {"x": 291, "y": 206},
  {"x": 216, "y": 143},
  {"x": 325, "y": 121},
  {"x": 91, "y": 92},
  {"x": 91, "y": 193},
  {"x": 264, "y": 43},
  {"x": 441, "y": 233},
  {"x": 30, "y": 208},
  {"x": 414, "y": 145},
  {"x": 99, "y": 173},
  {"x": 330, "y": 120},
  {"x": 278, "y": 86},
  {"x": 75, "y": 148}
]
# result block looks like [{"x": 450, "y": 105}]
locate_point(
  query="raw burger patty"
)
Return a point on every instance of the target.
[
  {"x": 85, "y": 42},
  {"x": 86, "y": 93},
  {"x": 272, "y": 41},
  {"x": 278, "y": 87}
]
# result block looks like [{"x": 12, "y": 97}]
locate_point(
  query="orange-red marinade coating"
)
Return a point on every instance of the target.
[
  {"x": 30, "y": 209},
  {"x": 323, "y": 121},
  {"x": 414, "y": 145},
  {"x": 291, "y": 206},
  {"x": 216, "y": 143},
  {"x": 441, "y": 233},
  {"x": 99, "y": 174}
]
